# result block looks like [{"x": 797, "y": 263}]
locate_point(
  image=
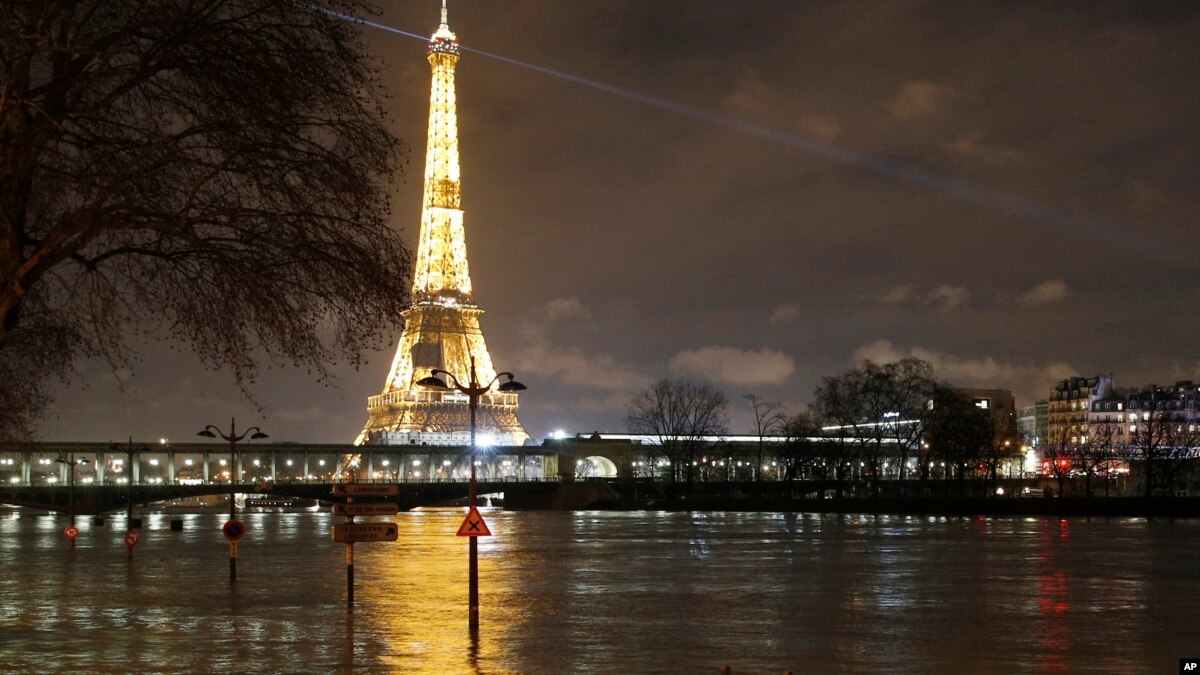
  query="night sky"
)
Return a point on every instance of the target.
[{"x": 1010, "y": 190}]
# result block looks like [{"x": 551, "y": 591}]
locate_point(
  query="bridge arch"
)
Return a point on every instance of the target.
[{"x": 595, "y": 466}]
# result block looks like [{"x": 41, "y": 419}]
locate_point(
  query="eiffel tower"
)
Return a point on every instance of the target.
[{"x": 441, "y": 326}]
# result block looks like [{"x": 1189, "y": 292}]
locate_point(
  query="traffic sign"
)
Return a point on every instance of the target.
[
  {"x": 368, "y": 509},
  {"x": 132, "y": 538},
  {"x": 473, "y": 525},
  {"x": 348, "y": 533},
  {"x": 365, "y": 489},
  {"x": 71, "y": 532},
  {"x": 233, "y": 529}
]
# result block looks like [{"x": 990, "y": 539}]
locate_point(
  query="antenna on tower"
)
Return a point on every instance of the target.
[{"x": 445, "y": 21}]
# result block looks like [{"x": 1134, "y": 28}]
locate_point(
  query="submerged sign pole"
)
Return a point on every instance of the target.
[{"x": 350, "y": 531}]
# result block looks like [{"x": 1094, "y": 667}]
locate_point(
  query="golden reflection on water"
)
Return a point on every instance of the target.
[{"x": 412, "y": 596}]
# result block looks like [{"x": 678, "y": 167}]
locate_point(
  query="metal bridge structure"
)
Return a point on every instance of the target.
[{"x": 94, "y": 478}]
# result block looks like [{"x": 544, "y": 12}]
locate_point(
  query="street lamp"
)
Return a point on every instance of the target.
[
  {"x": 71, "y": 464},
  {"x": 209, "y": 431},
  {"x": 473, "y": 391},
  {"x": 129, "y": 451}
]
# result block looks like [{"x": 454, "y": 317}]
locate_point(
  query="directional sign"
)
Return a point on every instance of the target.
[
  {"x": 132, "y": 538},
  {"x": 348, "y": 533},
  {"x": 365, "y": 490},
  {"x": 71, "y": 532},
  {"x": 473, "y": 525},
  {"x": 233, "y": 529},
  {"x": 368, "y": 509}
]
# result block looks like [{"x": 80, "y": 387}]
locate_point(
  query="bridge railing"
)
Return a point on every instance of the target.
[{"x": 118, "y": 484}]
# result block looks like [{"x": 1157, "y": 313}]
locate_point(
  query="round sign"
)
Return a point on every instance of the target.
[
  {"x": 71, "y": 532},
  {"x": 233, "y": 529},
  {"x": 132, "y": 538}
]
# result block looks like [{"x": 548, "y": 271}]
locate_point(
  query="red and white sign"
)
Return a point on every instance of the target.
[
  {"x": 233, "y": 529},
  {"x": 71, "y": 532},
  {"x": 132, "y": 538},
  {"x": 473, "y": 525}
]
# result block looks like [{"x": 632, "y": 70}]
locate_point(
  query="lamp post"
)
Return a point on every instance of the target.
[
  {"x": 129, "y": 451},
  {"x": 71, "y": 464},
  {"x": 209, "y": 431},
  {"x": 473, "y": 390}
]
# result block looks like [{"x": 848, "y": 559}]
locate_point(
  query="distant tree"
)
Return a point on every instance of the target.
[
  {"x": 911, "y": 386},
  {"x": 798, "y": 453},
  {"x": 1098, "y": 454},
  {"x": 808, "y": 454},
  {"x": 1183, "y": 451},
  {"x": 958, "y": 432},
  {"x": 1153, "y": 437},
  {"x": 679, "y": 414},
  {"x": 769, "y": 419},
  {"x": 1059, "y": 455},
  {"x": 1003, "y": 440},
  {"x": 836, "y": 404},
  {"x": 878, "y": 408},
  {"x": 211, "y": 172}
]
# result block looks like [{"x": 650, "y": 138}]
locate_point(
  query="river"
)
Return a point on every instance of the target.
[{"x": 604, "y": 592}]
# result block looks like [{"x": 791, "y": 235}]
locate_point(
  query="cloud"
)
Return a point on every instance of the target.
[
  {"x": 567, "y": 309},
  {"x": 942, "y": 297},
  {"x": 785, "y": 314},
  {"x": 970, "y": 146},
  {"x": 572, "y": 366},
  {"x": 730, "y": 365},
  {"x": 917, "y": 100},
  {"x": 1028, "y": 382},
  {"x": 897, "y": 296},
  {"x": 948, "y": 297},
  {"x": 1046, "y": 293},
  {"x": 821, "y": 127}
]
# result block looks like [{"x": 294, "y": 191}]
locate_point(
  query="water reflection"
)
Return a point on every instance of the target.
[{"x": 605, "y": 592}]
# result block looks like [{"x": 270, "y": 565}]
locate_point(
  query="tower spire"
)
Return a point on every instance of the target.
[{"x": 441, "y": 326}]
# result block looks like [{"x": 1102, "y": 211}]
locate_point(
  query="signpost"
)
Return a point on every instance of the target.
[
  {"x": 365, "y": 490},
  {"x": 131, "y": 539},
  {"x": 349, "y": 532},
  {"x": 71, "y": 532},
  {"x": 473, "y": 525},
  {"x": 367, "y": 509},
  {"x": 233, "y": 530}
]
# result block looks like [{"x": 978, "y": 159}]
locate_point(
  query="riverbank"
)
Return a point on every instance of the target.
[{"x": 1118, "y": 507}]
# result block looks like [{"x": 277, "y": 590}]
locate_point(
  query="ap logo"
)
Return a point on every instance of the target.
[{"x": 1189, "y": 666}]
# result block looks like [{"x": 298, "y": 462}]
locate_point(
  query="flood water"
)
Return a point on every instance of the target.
[{"x": 605, "y": 592}]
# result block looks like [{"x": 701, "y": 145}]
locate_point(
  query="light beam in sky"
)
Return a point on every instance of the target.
[{"x": 1120, "y": 236}]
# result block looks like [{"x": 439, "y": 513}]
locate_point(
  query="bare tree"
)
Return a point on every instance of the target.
[
  {"x": 807, "y": 455},
  {"x": 836, "y": 404},
  {"x": 1003, "y": 437},
  {"x": 958, "y": 432},
  {"x": 911, "y": 386},
  {"x": 1098, "y": 455},
  {"x": 769, "y": 419},
  {"x": 681, "y": 415},
  {"x": 879, "y": 408},
  {"x": 212, "y": 172},
  {"x": 1152, "y": 435},
  {"x": 1059, "y": 456}
]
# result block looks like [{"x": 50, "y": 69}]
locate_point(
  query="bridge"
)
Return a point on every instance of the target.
[
  {"x": 95, "y": 499},
  {"x": 95, "y": 478}
]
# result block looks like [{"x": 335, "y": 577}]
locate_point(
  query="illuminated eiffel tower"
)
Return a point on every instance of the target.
[{"x": 441, "y": 326}]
